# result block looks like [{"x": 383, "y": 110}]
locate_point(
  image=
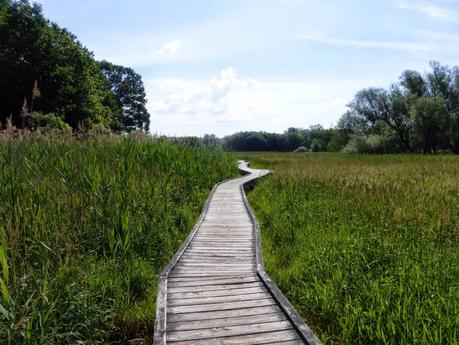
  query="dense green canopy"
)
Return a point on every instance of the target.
[{"x": 45, "y": 69}]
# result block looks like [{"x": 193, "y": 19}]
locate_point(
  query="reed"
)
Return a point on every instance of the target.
[
  {"x": 86, "y": 225},
  {"x": 365, "y": 246}
]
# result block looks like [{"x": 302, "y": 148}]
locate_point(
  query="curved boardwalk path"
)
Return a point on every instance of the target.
[{"x": 215, "y": 289}]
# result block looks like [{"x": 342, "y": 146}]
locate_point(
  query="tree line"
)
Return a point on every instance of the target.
[
  {"x": 418, "y": 113},
  {"x": 49, "y": 79}
]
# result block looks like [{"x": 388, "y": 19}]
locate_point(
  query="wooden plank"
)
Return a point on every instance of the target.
[
  {"x": 258, "y": 338},
  {"x": 220, "y": 306},
  {"x": 216, "y": 247},
  {"x": 214, "y": 261},
  {"x": 209, "y": 273},
  {"x": 188, "y": 268},
  {"x": 228, "y": 331},
  {"x": 219, "y": 256},
  {"x": 210, "y": 288},
  {"x": 225, "y": 235},
  {"x": 211, "y": 315},
  {"x": 224, "y": 280},
  {"x": 216, "y": 299},
  {"x": 184, "y": 264},
  {"x": 224, "y": 322},
  {"x": 215, "y": 293},
  {"x": 235, "y": 278},
  {"x": 233, "y": 252}
]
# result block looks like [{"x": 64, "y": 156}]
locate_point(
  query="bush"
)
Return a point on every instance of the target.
[
  {"x": 315, "y": 146},
  {"x": 372, "y": 143},
  {"x": 49, "y": 121}
]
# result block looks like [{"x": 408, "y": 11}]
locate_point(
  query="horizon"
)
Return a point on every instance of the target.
[{"x": 262, "y": 65}]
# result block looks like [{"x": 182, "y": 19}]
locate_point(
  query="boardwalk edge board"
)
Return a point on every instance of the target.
[{"x": 160, "y": 326}]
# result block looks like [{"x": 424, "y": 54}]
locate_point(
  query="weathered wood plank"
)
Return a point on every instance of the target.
[
  {"x": 220, "y": 306},
  {"x": 216, "y": 261},
  {"x": 224, "y": 322},
  {"x": 233, "y": 279},
  {"x": 210, "y": 288},
  {"x": 215, "y": 293},
  {"x": 211, "y": 315},
  {"x": 259, "y": 338},
  {"x": 228, "y": 331},
  {"x": 192, "y": 264},
  {"x": 217, "y": 299}
]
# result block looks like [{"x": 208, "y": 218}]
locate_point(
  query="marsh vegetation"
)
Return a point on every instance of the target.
[{"x": 365, "y": 247}]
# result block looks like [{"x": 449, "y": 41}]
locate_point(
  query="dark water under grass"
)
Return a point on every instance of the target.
[
  {"x": 85, "y": 228},
  {"x": 365, "y": 247}
]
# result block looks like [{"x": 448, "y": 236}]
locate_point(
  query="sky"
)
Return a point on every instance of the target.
[{"x": 223, "y": 66}]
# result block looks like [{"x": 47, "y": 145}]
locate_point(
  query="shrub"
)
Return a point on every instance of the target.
[
  {"x": 372, "y": 143},
  {"x": 49, "y": 121}
]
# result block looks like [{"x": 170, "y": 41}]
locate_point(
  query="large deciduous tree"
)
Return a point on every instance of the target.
[
  {"x": 387, "y": 106},
  {"x": 128, "y": 89},
  {"x": 430, "y": 118}
]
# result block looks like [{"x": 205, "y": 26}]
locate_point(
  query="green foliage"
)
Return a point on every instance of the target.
[
  {"x": 371, "y": 143},
  {"x": 85, "y": 228},
  {"x": 420, "y": 111},
  {"x": 48, "y": 121},
  {"x": 430, "y": 119},
  {"x": 288, "y": 141},
  {"x": 46, "y": 65},
  {"x": 316, "y": 146},
  {"x": 127, "y": 87},
  {"x": 365, "y": 247}
]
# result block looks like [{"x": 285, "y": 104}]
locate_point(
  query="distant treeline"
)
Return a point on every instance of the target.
[
  {"x": 315, "y": 138},
  {"x": 419, "y": 113},
  {"x": 49, "y": 79}
]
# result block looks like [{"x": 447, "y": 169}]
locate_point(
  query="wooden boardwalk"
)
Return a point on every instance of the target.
[{"x": 215, "y": 290}]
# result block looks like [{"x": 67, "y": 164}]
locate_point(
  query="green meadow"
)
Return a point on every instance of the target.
[
  {"x": 366, "y": 247},
  {"x": 86, "y": 225}
]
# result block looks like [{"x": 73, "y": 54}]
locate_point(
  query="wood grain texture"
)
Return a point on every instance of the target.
[{"x": 215, "y": 290}]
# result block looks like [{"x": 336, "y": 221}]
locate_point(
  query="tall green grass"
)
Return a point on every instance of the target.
[
  {"x": 85, "y": 228},
  {"x": 365, "y": 247}
]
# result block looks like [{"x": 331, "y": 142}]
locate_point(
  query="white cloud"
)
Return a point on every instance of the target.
[
  {"x": 168, "y": 49},
  {"x": 393, "y": 45},
  {"x": 193, "y": 97},
  {"x": 428, "y": 9},
  {"x": 229, "y": 103},
  {"x": 426, "y": 48}
]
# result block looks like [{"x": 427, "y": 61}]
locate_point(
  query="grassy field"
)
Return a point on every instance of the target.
[
  {"x": 365, "y": 247},
  {"x": 85, "y": 228}
]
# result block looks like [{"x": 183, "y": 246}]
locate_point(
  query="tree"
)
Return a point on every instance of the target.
[
  {"x": 210, "y": 140},
  {"x": 389, "y": 106},
  {"x": 352, "y": 123},
  {"x": 36, "y": 52},
  {"x": 440, "y": 81},
  {"x": 430, "y": 117},
  {"x": 129, "y": 91},
  {"x": 413, "y": 83}
]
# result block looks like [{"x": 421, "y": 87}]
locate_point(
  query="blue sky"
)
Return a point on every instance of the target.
[{"x": 221, "y": 66}]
